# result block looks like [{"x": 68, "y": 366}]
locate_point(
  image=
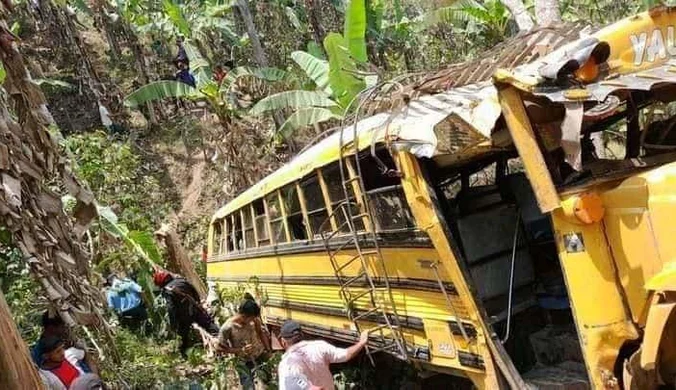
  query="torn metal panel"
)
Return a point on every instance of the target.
[{"x": 571, "y": 128}]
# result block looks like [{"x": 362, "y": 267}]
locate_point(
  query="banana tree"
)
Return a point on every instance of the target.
[
  {"x": 489, "y": 20},
  {"x": 206, "y": 88},
  {"x": 337, "y": 81}
]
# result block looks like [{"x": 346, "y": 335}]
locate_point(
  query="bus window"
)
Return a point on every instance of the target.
[
  {"x": 237, "y": 238},
  {"x": 249, "y": 234},
  {"x": 276, "y": 218},
  {"x": 385, "y": 194},
  {"x": 261, "y": 223},
  {"x": 218, "y": 234},
  {"x": 294, "y": 213},
  {"x": 229, "y": 231},
  {"x": 334, "y": 183},
  {"x": 316, "y": 208}
]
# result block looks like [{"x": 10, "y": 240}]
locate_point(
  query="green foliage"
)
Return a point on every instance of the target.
[
  {"x": 355, "y": 30},
  {"x": 306, "y": 116},
  {"x": 338, "y": 81},
  {"x": 345, "y": 84},
  {"x": 19, "y": 289},
  {"x": 141, "y": 242},
  {"x": 314, "y": 50},
  {"x": 159, "y": 90},
  {"x": 147, "y": 363},
  {"x": 489, "y": 19},
  {"x": 316, "y": 68},
  {"x": 175, "y": 14},
  {"x": 292, "y": 99}
]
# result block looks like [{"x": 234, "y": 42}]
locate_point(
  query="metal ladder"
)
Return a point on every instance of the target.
[{"x": 376, "y": 303}]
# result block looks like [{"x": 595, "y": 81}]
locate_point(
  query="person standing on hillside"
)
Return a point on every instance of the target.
[
  {"x": 125, "y": 297},
  {"x": 305, "y": 364},
  {"x": 182, "y": 55},
  {"x": 183, "y": 307},
  {"x": 243, "y": 336}
]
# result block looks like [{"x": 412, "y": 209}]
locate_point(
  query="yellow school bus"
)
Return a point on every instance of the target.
[{"x": 516, "y": 232}]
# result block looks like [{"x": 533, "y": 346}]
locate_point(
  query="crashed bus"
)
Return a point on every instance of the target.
[{"x": 514, "y": 232}]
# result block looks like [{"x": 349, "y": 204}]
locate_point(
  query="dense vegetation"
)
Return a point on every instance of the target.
[{"x": 294, "y": 69}]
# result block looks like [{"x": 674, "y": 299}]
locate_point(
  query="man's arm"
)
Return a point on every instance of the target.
[
  {"x": 262, "y": 335},
  {"x": 224, "y": 341},
  {"x": 341, "y": 355},
  {"x": 356, "y": 348}
]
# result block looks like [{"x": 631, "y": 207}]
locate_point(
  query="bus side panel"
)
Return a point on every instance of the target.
[
  {"x": 639, "y": 222},
  {"x": 596, "y": 298},
  {"x": 418, "y": 197},
  {"x": 302, "y": 286}
]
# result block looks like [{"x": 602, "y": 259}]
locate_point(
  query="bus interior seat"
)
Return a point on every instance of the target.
[
  {"x": 540, "y": 237},
  {"x": 486, "y": 226}
]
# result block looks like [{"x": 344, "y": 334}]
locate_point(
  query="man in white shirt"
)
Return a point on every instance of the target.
[{"x": 305, "y": 364}]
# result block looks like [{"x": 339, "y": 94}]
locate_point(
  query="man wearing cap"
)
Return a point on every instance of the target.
[{"x": 305, "y": 364}]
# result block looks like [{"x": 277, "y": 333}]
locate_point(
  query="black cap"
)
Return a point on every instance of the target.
[{"x": 290, "y": 329}]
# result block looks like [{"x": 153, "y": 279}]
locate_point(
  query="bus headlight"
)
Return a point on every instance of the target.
[{"x": 586, "y": 208}]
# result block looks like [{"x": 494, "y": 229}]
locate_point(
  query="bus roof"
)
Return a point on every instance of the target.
[
  {"x": 634, "y": 53},
  {"x": 411, "y": 128}
]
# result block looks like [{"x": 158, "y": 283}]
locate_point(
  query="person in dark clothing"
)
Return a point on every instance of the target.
[
  {"x": 183, "y": 307},
  {"x": 183, "y": 75},
  {"x": 181, "y": 56}
]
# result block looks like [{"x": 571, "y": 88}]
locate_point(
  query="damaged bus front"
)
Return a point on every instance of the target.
[{"x": 595, "y": 126}]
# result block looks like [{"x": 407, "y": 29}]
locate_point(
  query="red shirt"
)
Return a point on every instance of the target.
[{"x": 66, "y": 372}]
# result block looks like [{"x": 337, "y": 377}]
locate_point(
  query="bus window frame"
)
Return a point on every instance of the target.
[
  {"x": 223, "y": 244},
  {"x": 327, "y": 197},
  {"x": 216, "y": 237},
  {"x": 235, "y": 244},
  {"x": 266, "y": 213},
  {"x": 261, "y": 242},
  {"x": 308, "y": 179},
  {"x": 303, "y": 209},
  {"x": 282, "y": 218}
]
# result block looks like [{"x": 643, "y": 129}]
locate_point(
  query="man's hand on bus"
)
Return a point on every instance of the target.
[{"x": 364, "y": 337}]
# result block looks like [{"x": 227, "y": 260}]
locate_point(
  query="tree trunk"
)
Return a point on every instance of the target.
[
  {"x": 245, "y": 13},
  {"x": 178, "y": 261},
  {"x": 520, "y": 13},
  {"x": 17, "y": 370},
  {"x": 29, "y": 157},
  {"x": 547, "y": 12},
  {"x": 313, "y": 16}
]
